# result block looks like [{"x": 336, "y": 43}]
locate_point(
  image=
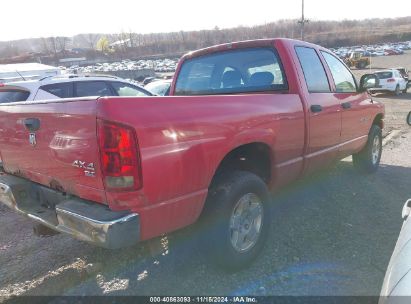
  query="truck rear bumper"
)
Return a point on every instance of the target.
[{"x": 84, "y": 220}]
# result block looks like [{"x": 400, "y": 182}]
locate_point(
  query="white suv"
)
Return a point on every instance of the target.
[
  {"x": 390, "y": 81},
  {"x": 68, "y": 86}
]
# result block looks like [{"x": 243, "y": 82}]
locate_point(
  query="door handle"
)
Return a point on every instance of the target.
[
  {"x": 316, "y": 108},
  {"x": 32, "y": 124},
  {"x": 346, "y": 105}
]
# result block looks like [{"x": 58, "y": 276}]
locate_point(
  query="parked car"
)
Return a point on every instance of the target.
[
  {"x": 159, "y": 87},
  {"x": 390, "y": 81},
  {"x": 390, "y": 52},
  {"x": 68, "y": 86},
  {"x": 379, "y": 53},
  {"x": 147, "y": 80},
  {"x": 397, "y": 281},
  {"x": 242, "y": 119}
]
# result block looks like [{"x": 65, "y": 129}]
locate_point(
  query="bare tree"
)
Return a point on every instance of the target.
[
  {"x": 52, "y": 42},
  {"x": 62, "y": 44},
  {"x": 327, "y": 33},
  {"x": 92, "y": 40},
  {"x": 45, "y": 46}
]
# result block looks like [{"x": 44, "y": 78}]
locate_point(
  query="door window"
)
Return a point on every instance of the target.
[
  {"x": 314, "y": 73},
  {"x": 124, "y": 89},
  {"x": 92, "y": 88},
  {"x": 343, "y": 79},
  {"x": 62, "y": 90}
]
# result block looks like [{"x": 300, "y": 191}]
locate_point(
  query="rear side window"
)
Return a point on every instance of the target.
[
  {"x": 384, "y": 75},
  {"x": 62, "y": 90},
  {"x": 92, "y": 88},
  {"x": 236, "y": 71},
  {"x": 343, "y": 79},
  {"x": 124, "y": 89},
  {"x": 7, "y": 96},
  {"x": 314, "y": 73}
]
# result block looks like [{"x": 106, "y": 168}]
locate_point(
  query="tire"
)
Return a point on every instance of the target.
[
  {"x": 405, "y": 90},
  {"x": 409, "y": 119},
  {"x": 397, "y": 90},
  {"x": 238, "y": 203},
  {"x": 368, "y": 159}
]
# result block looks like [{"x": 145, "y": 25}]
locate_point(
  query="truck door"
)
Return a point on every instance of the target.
[
  {"x": 356, "y": 117},
  {"x": 324, "y": 111}
]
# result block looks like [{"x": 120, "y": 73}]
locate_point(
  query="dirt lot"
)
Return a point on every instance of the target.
[
  {"x": 333, "y": 234},
  {"x": 396, "y": 106}
]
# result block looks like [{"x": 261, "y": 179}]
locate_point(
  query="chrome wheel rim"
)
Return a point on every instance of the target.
[
  {"x": 246, "y": 222},
  {"x": 375, "y": 150}
]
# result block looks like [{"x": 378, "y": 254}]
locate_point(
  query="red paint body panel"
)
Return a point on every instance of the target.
[{"x": 182, "y": 140}]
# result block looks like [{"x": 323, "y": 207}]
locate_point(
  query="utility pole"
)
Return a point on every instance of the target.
[{"x": 303, "y": 21}]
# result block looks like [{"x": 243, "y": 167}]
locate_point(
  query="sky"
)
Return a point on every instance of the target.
[{"x": 43, "y": 18}]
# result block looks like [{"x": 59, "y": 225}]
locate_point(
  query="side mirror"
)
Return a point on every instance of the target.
[{"x": 369, "y": 81}]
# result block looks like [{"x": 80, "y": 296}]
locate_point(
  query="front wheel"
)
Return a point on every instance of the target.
[
  {"x": 368, "y": 159},
  {"x": 238, "y": 217},
  {"x": 409, "y": 119}
]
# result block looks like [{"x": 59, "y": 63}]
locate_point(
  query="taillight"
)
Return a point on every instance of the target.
[
  {"x": 391, "y": 80},
  {"x": 120, "y": 157}
]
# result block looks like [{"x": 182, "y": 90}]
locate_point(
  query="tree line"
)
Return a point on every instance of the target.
[{"x": 135, "y": 45}]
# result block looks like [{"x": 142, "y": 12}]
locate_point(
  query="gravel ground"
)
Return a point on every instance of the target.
[
  {"x": 333, "y": 234},
  {"x": 396, "y": 110}
]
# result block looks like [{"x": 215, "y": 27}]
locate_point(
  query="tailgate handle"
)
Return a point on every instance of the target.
[{"x": 32, "y": 124}]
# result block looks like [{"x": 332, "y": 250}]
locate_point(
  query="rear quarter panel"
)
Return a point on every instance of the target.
[{"x": 183, "y": 140}]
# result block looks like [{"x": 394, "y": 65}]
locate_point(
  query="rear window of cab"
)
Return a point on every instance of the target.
[{"x": 230, "y": 72}]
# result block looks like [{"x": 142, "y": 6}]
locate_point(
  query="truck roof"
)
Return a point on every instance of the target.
[{"x": 246, "y": 44}]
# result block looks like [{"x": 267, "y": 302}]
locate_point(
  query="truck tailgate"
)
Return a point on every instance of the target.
[{"x": 53, "y": 143}]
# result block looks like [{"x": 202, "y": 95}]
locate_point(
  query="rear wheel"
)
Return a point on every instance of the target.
[
  {"x": 237, "y": 219},
  {"x": 409, "y": 119},
  {"x": 405, "y": 90},
  {"x": 397, "y": 90},
  {"x": 368, "y": 159}
]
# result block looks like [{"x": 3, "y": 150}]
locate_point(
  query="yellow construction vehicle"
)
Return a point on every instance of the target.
[{"x": 358, "y": 60}]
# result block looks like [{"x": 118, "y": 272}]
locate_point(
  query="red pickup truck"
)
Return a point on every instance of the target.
[{"x": 243, "y": 119}]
